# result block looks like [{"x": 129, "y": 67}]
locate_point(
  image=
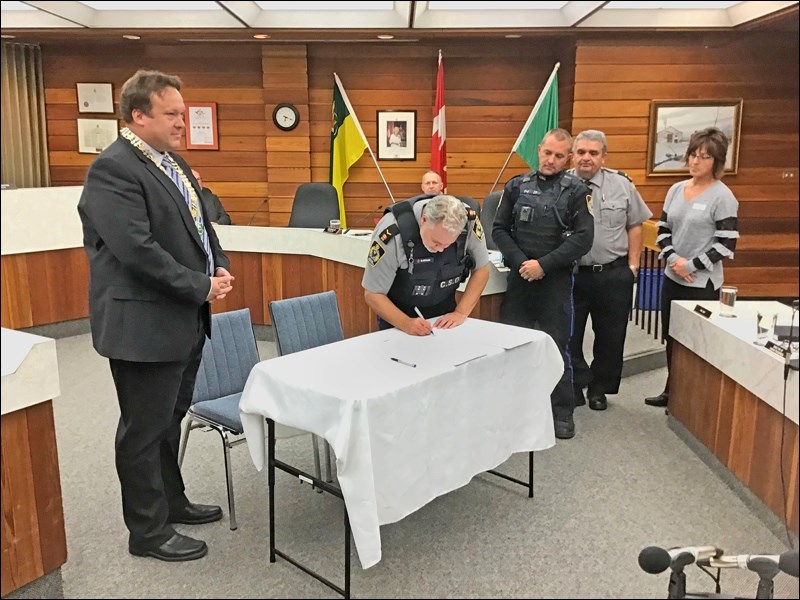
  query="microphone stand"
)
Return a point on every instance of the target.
[
  {"x": 677, "y": 579},
  {"x": 766, "y": 570}
]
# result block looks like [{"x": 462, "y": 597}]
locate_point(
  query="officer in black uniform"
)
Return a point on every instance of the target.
[
  {"x": 422, "y": 249},
  {"x": 542, "y": 226}
]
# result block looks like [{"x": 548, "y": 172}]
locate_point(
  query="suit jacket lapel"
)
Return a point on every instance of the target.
[{"x": 173, "y": 191}]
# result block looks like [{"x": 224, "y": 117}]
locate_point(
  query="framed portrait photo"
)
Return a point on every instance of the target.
[
  {"x": 397, "y": 135},
  {"x": 672, "y": 123}
]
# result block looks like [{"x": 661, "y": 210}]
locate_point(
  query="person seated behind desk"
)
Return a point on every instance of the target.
[
  {"x": 216, "y": 212},
  {"x": 421, "y": 250}
]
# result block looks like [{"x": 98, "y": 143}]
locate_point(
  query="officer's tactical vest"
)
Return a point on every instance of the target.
[
  {"x": 431, "y": 280},
  {"x": 541, "y": 218}
]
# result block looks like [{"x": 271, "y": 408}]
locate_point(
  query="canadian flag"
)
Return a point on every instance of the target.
[{"x": 439, "y": 136}]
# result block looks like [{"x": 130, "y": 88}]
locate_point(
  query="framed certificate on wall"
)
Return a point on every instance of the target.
[{"x": 201, "y": 126}]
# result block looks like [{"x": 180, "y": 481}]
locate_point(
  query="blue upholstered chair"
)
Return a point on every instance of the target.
[
  {"x": 315, "y": 204},
  {"x": 228, "y": 358},
  {"x": 302, "y": 323}
]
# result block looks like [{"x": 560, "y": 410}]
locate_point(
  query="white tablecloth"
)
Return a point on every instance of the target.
[{"x": 404, "y": 435}]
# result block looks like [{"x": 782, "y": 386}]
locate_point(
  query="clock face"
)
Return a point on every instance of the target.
[{"x": 286, "y": 117}]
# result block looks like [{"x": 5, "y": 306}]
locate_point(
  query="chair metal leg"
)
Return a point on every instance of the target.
[
  {"x": 229, "y": 480},
  {"x": 184, "y": 439},
  {"x": 328, "y": 475}
]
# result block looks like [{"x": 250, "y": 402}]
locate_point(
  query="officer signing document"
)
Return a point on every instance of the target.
[{"x": 421, "y": 250}]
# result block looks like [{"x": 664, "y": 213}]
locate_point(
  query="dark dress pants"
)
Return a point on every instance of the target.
[
  {"x": 153, "y": 399},
  {"x": 670, "y": 291},
  {"x": 606, "y": 296},
  {"x": 545, "y": 305}
]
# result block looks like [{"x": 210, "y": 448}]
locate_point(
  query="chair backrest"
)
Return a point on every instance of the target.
[
  {"x": 305, "y": 322},
  {"x": 489, "y": 209},
  {"x": 472, "y": 203},
  {"x": 228, "y": 357},
  {"x": 315, "y": 204}
]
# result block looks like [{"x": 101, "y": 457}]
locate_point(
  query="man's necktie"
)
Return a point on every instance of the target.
[{"x": 194, "y": 208}]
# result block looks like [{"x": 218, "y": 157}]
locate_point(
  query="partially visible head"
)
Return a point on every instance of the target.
[
  {"x": 197, "y": 176},
  {"x": 554, "y": 151},
  {"x": 589, "y": 152},
  {"x": 705, "y": 145},
  {"x": 432, "y": 183},
  {"x": 443, "y": 219},
  {"x": 152, "y": 106}
]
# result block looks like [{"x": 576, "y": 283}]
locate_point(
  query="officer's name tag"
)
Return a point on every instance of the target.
[
  {"x": 698, "y": 206},
  {"x": 701, "y": 310}
]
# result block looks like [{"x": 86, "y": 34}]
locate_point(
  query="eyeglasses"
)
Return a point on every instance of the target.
[{"x": 700, "y": 156}]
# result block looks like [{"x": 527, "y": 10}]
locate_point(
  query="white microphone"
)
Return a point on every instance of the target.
[
  {"x": 656, "y": 560},
  {"x": 786, "y": 562}
]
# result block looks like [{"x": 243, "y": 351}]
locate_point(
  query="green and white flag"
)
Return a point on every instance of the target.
[{"x": 542, "y": 119}]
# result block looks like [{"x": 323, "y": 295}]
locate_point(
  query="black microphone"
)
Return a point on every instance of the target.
[
  {"x": 759, "y": 563},
  {"x": 258, "y": 208},
  {"x": 655, "y": 560}
]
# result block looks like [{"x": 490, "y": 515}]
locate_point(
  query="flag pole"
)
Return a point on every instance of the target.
[
  {"x": 361, "y": 131},
  {"x": 527, "y": 123}
]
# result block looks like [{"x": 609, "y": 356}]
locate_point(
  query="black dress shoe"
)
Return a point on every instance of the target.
[
  {"x": 580, "y": 399},
  {"x": 660, "y": 400},
  {"x": 178, "y": 548},
  {"x": 564, "y": 427},
  {"x": 196, "y": 514},
  {"x": 598, "y": 401}
]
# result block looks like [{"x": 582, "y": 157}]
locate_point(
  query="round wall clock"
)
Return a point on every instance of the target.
[{"x": 285, "y": 116}]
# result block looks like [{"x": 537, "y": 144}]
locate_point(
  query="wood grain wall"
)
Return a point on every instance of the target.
[
  {"x": 605, "y": 82},
  {"x": 615, "y": 82}
]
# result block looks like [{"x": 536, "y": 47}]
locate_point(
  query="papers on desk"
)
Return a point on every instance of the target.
[{"x": 456, "y": 346}]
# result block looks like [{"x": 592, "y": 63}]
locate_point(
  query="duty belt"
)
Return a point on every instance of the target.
[{"x": 622, "y": 261}]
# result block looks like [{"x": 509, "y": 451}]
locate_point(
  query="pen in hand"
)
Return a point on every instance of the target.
[
  {"x": 402, "y": 362},
  {"x": 419, "y": 314}
]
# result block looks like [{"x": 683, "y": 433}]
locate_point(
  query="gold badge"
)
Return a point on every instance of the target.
[
  {"x": 376, "y": 252},
  {"x": 478, "y": 229},
  {"x": 589, "y": 204}
]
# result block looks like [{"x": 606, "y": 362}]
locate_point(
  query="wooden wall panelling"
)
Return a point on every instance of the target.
[
  {"x": 615, "y": 82},
  {"x": 285, "y": 79},
  {"x": 248, "y": 287},
  {"x": 59, "y": 285}
]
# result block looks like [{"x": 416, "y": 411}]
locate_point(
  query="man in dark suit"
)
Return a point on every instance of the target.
[
  {"x": 155, "y": 266},
  {"x": 214, "y": 209}
]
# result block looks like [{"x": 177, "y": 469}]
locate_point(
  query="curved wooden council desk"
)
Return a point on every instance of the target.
[
  {"x": 33, "y": 538},
  {"x": 45, "y": 271}
]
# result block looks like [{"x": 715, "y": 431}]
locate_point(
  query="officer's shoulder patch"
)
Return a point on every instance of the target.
[
  {"x": 376, "y": 252},
  {"x": 589, "y": 204},
  {"x": 388, "y": 233},
  {"x": 477, "y": 229}
]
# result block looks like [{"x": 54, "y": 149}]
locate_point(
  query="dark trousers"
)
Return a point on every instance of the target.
[
  {"x": 153, "y": 399},
  {"x": 675, "y": 291},
  {"x": 545, "y": 305},
  {"x": 606, "y": 296}
]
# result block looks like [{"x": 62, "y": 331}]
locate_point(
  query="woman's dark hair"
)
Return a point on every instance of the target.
[{"x": 712, "y": 141}]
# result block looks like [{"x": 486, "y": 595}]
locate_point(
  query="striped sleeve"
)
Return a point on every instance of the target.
[
  {"x": 724, "y": 244},
  {"x": 664, "y": 237}
]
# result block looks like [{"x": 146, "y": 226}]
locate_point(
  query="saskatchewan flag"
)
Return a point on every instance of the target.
[
  {"x": 542, "y": 119},
  {"x": 347, "y": 142}
]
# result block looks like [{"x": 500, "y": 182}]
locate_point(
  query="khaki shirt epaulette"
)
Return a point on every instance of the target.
[{"x": 623, "y": 173}]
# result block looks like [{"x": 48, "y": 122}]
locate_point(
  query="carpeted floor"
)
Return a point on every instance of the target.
[{"x": 626, "y": 481}]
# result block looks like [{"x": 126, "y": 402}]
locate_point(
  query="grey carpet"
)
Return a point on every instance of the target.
[{"x": 625, "y": 482}]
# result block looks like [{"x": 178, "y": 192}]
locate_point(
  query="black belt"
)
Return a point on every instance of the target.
[{"x": 622, "y": 261}]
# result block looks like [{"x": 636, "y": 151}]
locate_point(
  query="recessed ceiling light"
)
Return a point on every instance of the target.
[
  {"x": 128, "y": 36},
  {"x": 385, "y": 36},
  {"x": 7, "y": 37},
  {"x": 513, "y": 36},
  {"x": 261, "y": 36}
]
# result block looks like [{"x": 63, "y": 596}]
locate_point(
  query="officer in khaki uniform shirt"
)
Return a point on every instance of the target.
[{"x": 606, "y": 274}]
